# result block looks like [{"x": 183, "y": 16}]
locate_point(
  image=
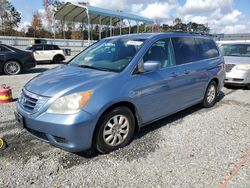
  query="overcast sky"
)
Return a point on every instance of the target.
[{"x": 222, "y": 16}]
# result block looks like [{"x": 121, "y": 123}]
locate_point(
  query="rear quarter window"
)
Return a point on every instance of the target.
[
  {"x": 185, "y": 50},
  {"x": 207, "y": 48},
  {"x": 56, "y": 47}
]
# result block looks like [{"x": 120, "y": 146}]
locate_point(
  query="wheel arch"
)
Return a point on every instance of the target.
[
  {"x": 213, "y": 79},
  {"x": 58, "y": 55},
  {"x": 127, "y": 104},
  {"x": 216, "y": 81}
]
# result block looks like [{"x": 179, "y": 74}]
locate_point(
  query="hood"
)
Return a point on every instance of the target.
[
  {"x": 236, "y": 60},
  {"x": 66, "y": 78}
]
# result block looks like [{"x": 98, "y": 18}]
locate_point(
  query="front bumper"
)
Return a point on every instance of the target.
[
  {"x": 237, "y": 77},
  {"x": 70, "y": 132}
]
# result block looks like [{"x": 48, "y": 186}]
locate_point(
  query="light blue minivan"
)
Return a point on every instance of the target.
[{"x": 117, "y": 85}]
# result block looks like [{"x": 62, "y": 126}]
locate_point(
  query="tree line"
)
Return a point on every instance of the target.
[{"x": 10, "y": 20}]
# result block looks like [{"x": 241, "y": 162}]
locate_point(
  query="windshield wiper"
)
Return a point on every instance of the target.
[{"x": 96, "y": 68}]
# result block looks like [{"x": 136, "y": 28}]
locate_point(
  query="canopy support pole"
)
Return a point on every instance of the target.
[
  {"x": 129, "y": 27},
  {"x": 110, "y": 26},
  {"x": 100, "y": 27},
  {"x": 91, "y": 31},
  {"x": 82, "y": 30},
  {"x": 152, "y": 28},
  {"x": 88, "y": 28},
  {"x": 64, "y": 29},
  {"x": 137, "y": 24},
  {"x": 54, "y": 28},
  {"x": 145, "y": 27},
  {"x": 120, "y": 26},
  {"x": 73, "y": 30}
]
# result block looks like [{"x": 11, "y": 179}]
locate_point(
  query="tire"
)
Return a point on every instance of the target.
[
  {"x": 12, "y": 68},
  {"x": 115, "y": 129},
  {"x": 58, "y": 59},
  {"x": 211, "y": 94}
]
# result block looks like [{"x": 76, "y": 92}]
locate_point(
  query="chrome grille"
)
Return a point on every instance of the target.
[
  {"x": 229, "y": 67},
  {"x": 31, "y": 102}
]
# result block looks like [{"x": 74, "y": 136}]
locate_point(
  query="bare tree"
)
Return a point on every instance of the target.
[
  {"x": 49, "y": 13},
  {"x": 36, "y": 24}
]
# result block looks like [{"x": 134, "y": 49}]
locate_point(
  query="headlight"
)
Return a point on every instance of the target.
[
  {"x": 243, "y": 67},
  {"x": 70, "y": 104}
]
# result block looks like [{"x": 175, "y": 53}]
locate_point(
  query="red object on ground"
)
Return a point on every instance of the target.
[{"x": 5, "y": 94}]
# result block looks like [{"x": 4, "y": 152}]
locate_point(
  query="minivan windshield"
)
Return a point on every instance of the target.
[
  {"x": 239, "y": 50},
  {"x": 109, "y": 54}
]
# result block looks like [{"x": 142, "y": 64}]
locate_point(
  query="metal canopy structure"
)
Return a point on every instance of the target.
[{"x": 93, "y": 15}]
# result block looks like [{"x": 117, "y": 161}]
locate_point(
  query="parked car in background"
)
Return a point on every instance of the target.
[
  {"x": 117, "y": 85},
  {"x": 237, "y": 59},
  {"x": 13, "y": 60},
  {"x": 47, "y": 53}
]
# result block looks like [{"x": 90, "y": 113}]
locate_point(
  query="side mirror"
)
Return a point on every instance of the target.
[{"x": 151, "y": 66}]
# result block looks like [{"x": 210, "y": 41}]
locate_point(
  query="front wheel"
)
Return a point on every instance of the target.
[
  {"x": 12, "y": 68},
  {"x": 115, "y": 130},
  {"x": 210, "y": 95}
]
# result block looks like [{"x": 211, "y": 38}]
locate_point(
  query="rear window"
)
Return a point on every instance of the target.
[
  {"x": 207, "y": 48},
  {"x": 240, "y": 50},
  {"x": 185, "y": 50}
]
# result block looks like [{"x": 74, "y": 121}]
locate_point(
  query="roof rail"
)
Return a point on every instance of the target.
[{"x": 190, "y": 32}]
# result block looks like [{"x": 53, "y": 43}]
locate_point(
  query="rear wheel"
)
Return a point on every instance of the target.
[
  {"x": 58, "y": 59},
  {"x": 210, "y": 95},
  {"x": 115, "y": 130},
  {"x": 12, "y": 68}
]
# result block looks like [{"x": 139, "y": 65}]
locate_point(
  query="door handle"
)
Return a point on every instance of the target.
[
  {"x": 174, "y": 74},
  {"x": 186, "y": 71}
]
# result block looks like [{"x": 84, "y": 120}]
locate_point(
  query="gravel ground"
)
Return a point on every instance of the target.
[{"x": 194, "y": 148}]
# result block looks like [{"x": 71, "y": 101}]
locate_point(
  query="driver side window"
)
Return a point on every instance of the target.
[{"x": 162, "y": 52}]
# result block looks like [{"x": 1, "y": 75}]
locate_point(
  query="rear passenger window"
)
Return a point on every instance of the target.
[
  {"x": 185, "y": 50},
  {"x": 207, "y": 48},
  {"x": 48, "y": 47},
  {"x": 162, "y": 52},
  {"x": 38, "y": 48}
]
